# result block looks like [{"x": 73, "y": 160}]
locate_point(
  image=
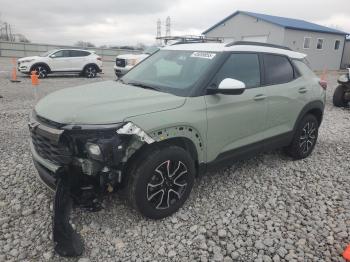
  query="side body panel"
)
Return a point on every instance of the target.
[
  {"x": 234, "y": 121},
  {"x": 78, "y": 62},
  {"x": 188, "y": 121},
  {"x": 285, "y": 102},
  {"x": 59, "y": 64}
]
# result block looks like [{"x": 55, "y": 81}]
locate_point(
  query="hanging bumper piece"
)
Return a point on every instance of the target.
[{"x": 67, "y": 242}]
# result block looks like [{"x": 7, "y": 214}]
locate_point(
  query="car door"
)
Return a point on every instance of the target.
[
  {"x": 60, "y": 61},
  {"x": 78, "y": 59},
  {"x": 235, "y": 121},
  {"x": 286, "y": 91}
]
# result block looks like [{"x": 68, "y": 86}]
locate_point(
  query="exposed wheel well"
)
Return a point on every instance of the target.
[
  {"x": 91, "y": 64},
  {"x": 182, "y": 142},
  {"x": 38, "y": 64},
  {"x": 317, "y": 113}
]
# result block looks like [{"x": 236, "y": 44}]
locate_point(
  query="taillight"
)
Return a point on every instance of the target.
[
  {"x": 99, "y": 58},
  {"x": 323, "y": 84}
]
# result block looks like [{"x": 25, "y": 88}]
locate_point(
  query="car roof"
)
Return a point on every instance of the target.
[
  {"x": 75, "y": 49},
  {"x": 222, "y": 47}
]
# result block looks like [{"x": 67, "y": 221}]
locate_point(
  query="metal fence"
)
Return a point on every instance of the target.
[{"x": 16, "y": 49}]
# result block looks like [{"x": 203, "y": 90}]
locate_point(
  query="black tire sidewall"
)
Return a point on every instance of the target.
[
  {"x": 36, "y": 68},
  {"x": 294, "y": 150},
  {"x": 338, "y": 97},
  {"x": 86, "y": 71},
  {"x": 146, "y": 169}
]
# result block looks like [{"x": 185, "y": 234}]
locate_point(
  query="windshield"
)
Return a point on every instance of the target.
[
  {"x": 150, "y": 50},
  {"x": 48, "y": 53},
  {"x": 171, "y": 71}
]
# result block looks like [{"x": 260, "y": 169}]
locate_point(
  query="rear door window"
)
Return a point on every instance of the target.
[
  {"x": 278, "y": 69},
  {"x": 78, "y": 53}
]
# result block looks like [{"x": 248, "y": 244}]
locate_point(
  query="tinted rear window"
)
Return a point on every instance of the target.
[
  {"x": 78, "y": 53},
  {"x": 278, "y": 70}
]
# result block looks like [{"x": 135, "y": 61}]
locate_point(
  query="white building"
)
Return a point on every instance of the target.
[{"x": 324, "y": 46}]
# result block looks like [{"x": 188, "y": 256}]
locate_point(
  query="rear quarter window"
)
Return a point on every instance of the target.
[
  {"x": 278, "y": 69},
  {"x": 78, "y": 53}
]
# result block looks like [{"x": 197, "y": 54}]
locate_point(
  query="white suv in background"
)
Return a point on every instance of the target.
[{"x": 84, "y": 62}]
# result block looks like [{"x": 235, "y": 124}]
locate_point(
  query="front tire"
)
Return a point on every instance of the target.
[
  {"x": 41, "y": 71},
  {"x": 304, "y": 139},
  {"x": 161, "y": 181},
  {"x": 339, "y": 97},
  {"x": 90, "y": 71}
]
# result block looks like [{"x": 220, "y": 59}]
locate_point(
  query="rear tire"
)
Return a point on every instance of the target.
[
  {"x": 304, "y": 139},
  {"x": 90, "y": 71},
  {"x": 160, "y": 181},
  {"x": 338, "y": 97}
]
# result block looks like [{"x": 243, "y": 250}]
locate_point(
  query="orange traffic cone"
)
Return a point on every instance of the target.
[
  {"x": 14, "y": 72},
  {"x": 346, "y": 253},
  {"x": 35, "y": 78},
  {"x": 324, "y": 75}
]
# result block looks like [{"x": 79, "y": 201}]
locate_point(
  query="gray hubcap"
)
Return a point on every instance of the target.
[
  {"x": 41, "y": 71},
  {"x": 308, "y": 137},
  {"x": 167, "y": 184},
  {"x": 91, "y": 72}
]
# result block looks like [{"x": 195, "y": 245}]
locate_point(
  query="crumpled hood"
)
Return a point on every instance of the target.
[{"x": 103, "y": 103}]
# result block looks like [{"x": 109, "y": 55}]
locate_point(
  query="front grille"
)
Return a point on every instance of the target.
[
  {"x": 120, "y": 62},
  {"x": 55, "y": 152}
]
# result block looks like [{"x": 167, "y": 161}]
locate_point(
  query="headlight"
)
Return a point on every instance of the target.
[
  {"x": 94, "y": 151},
  {"x": 108, "y": 150},
  {"x": 131, "y": 62}
]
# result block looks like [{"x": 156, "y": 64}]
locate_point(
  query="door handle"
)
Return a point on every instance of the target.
[
  {"x": 259, "y": 97},
  {"x": 302, "y": 90}
]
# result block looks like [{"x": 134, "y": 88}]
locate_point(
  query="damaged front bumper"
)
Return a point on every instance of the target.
[
  {"x": 80, "y": 163},
  {"x": 47, "y": 171}
]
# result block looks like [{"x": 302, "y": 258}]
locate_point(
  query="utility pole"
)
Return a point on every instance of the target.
[
  {"x": 159, "y": 32},
  {"x": 167, "y": 26},
  {"x": 6, "y": 32}
]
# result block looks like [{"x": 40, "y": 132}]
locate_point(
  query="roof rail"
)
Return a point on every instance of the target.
[
  {"x": 185, "y": 39},
  {"x": 257, "y": 44}
]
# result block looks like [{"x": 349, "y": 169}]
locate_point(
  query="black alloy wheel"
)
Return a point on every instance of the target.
[
  {"x": 305, "y": 138},
  {"x": 160, "y": 181},
  {"x": 90, "y": 71},
  {"x": 41, "y": 71}
]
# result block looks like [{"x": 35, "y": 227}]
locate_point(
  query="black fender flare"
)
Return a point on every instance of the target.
[
  {"x": 314, "y": 107},
  {"x": 40, "y": 63}
]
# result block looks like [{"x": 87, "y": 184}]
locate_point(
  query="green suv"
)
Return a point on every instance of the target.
[{"x": 185, "y": 109}]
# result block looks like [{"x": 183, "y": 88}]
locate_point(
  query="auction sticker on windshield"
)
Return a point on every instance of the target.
[{"x": 205, "y": 55}]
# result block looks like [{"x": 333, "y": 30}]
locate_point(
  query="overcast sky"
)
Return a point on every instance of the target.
[{"x": 134, "y": 21}]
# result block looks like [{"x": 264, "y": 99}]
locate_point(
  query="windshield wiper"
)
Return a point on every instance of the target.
[{"x": 142, "y": 85}]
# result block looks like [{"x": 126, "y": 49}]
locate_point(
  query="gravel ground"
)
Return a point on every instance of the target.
[{"x": 268, "y": 208}]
